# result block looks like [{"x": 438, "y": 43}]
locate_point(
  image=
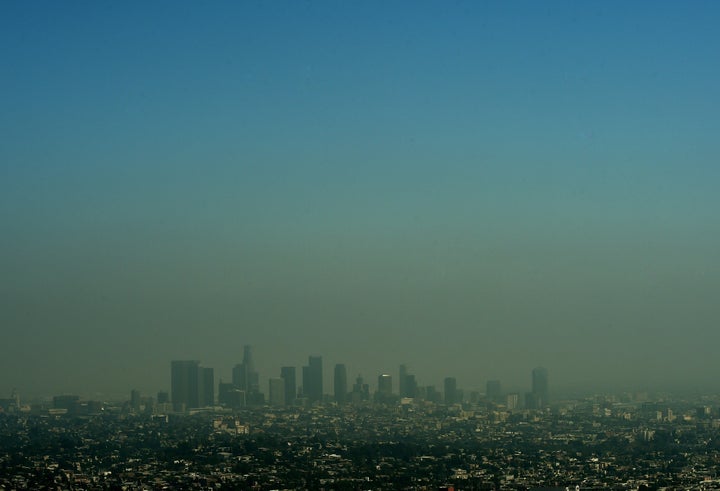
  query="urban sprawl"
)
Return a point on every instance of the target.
[{"x": 413, "y": 438}]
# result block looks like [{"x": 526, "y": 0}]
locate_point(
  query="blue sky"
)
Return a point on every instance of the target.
[{"x": 491, "y": 185}]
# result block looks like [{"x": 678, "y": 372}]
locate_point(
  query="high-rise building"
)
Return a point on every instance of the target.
[
  {"x": 340, "y": 384},
  {"x": 192, "y": 386},
  {"x": 407, "y": 383},
  {"x": 277, "y": 391},
  {"x": 185, "y": 384},
  {"x": 432, "y": 394},
  {"x": 313, "y": 379},
  {"x": 224, "y": 391},
  {"x": 135, "y": 400},
  {"x": 229, "y": 395},
  {"x": 384, "y": 392},
  {"x": 360, "y": 392},
  {"x": 385, "y": 384},
  {"x": 539, "y": 388},
  {"x": 246, "y": 379},
  {"x": 451, "y": 394},
  {"x": 251, "y": 376},
  {"x": 244, "y": 375},
  {"x": 288, "y": 374},
  {"x": 411, "y": 388},
  {"x": 493, "y": 391},
  {"x": 207, "y": 392},
  {"x": 239, "y": 379}
]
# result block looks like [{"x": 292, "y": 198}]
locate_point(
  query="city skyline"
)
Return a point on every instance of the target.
[
  {"x": 470, "y": 188},
  {"x": 192, "y": 386}
]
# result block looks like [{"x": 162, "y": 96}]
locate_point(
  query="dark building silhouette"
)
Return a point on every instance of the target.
[
  {"x": 411, "y": 386},
  {"x": 360, "y": 392},
  {"x": 224, "y": 390},
  {"x": 493, "y": 391},
  {"x": 135, "y": 400},
  {"x": 539, "y": 395},
  {"x": 407, "y": 384},
  {"x": 192, "y": 386},
  {"x": 246, "y": 379},
  {"x": 384, "y": 392},
  {"x": 288, "y": 374},
  {"x": 251, "y": 376},
  {"x": 340, "y": 384},
  {"x": 239, "y": 380},
  {"x": 163, "y": 397},
  {"x": 244, "y": 375},
  {"x": 65, "y": 401},
  {"x": 185, "y": 384},
  {"x": 207, "y": 386},
  {"x": 313, "y": 380},
  {"x": 231, "y": 396},
  {"x": 451, "y": 392},
  {"x": 429, "y": 393},
  {"x": 385, "y": 384},
  {"x": 276, "y": 391}
]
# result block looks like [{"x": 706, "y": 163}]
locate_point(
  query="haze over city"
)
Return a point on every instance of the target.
[{"x": 472, "y": 189}]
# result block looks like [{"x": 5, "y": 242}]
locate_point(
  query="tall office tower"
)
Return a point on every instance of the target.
[
  {"x": 340, "y": 384},
  {"x": 252, "y": 378},
  {"x": 451, "y": 390},
  {"x": 239, "y": 379},
  {"x": 493, "y": 391},
  {"x": 288, "y": 374},
  {"x": 313, "y": 379},
  {"x": 224, "y": 391},
  {"x": 277, "y": 391},
  {"x": 407, "y": 383},
  {"x": 185, "y": 384},
  {"x": 539, "y": 388},
  {"x": 135, "y": 400},
  {"x": 385, "y": 384},
  {"x": 512, "y": 401},
  {"x": 360, "y": 392},
  {"x": 432, "y": 395},
  {"x": 411, "y": 387},
  {"x": 207, "y": 394}
]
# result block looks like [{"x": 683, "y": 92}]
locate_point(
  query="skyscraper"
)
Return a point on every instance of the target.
[
  {"x": 539, "y": 387},
  {"x": 340, "y": 384},
  {"x": 385, "y": 384},
  {"x": 407, "y": 383},
  {"x": 239, "y": 380},
  {"x": 411, "y": 388},
  {"x": 135, "y": 400},
  {"x": 244, "y": 375},
  {"x": 185, "y": 384},
  {"x": 493, "y": 391},
  {"x": 277, "y": 391},
  {"x": 313, "y": 379},
  {"x": 207, "y": 387},
  {"x": 288, "y": 374},
  {"x": 451, "y": 390},
  {"x": 360, "y": 392},
  {"x": 251, "y": 376}
]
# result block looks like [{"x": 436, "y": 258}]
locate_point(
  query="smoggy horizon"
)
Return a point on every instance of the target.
[{"x": 471, "y": 189}]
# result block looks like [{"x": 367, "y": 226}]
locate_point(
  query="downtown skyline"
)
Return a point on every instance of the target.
[
  {"x": 193, "y": 386},
  {"x": 472, "y": 189}
]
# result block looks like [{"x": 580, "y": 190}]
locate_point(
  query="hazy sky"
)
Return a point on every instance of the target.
[{"x": 471, "y": 188}]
